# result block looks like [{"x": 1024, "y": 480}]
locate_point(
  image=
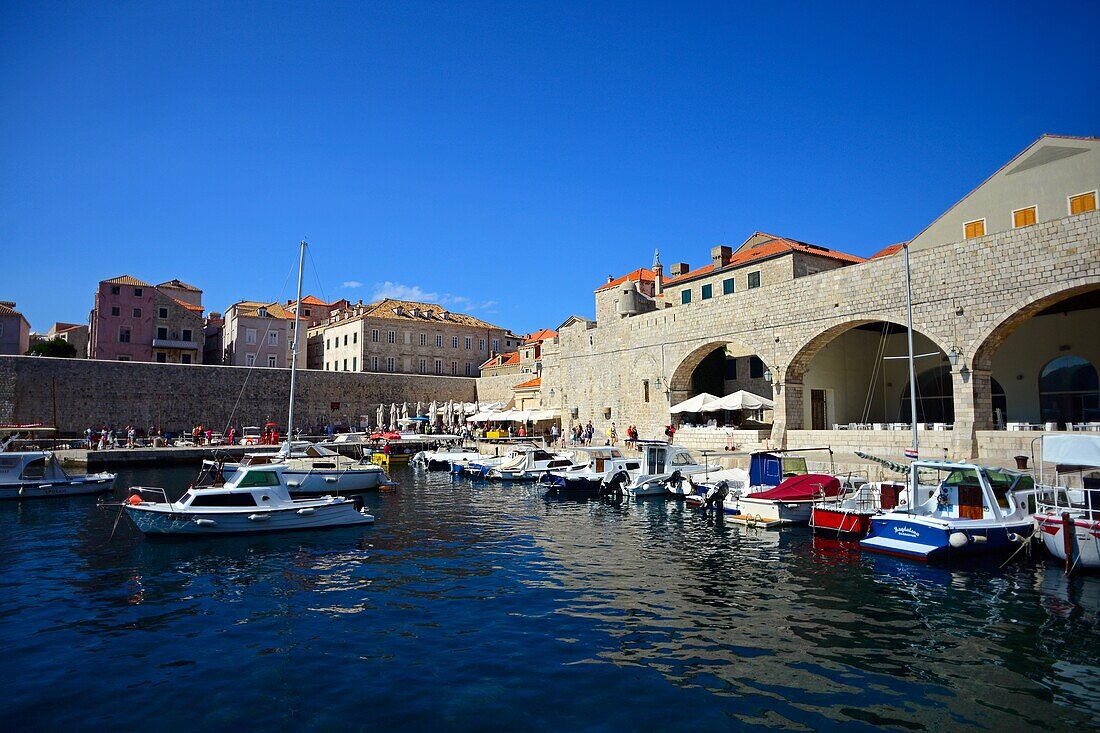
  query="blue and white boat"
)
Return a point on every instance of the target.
[
  {"x": 958, "y": 510},
  {"x": 36, "y": 474}
]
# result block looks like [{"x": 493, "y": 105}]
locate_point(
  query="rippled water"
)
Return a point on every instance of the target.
[{"x": 490, "y": 608}]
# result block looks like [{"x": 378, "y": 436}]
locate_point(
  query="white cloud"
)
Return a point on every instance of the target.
[
  {"x": 352, "y": 284},
  {"x": 399, "y": 291}
]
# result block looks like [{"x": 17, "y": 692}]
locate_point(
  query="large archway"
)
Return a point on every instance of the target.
[
  {"x": 857, "y": 373},
  {"x": 720, "y": 368},
  {"x": 1044, "y": 357}
]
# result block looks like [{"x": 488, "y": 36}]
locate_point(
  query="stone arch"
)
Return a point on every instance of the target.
[{"x": 679, "y": 380}]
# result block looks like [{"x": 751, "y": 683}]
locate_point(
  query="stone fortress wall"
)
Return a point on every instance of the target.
[{"x": 74, "y": 394}]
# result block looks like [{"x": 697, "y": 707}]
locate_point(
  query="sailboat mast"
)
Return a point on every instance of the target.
[
  {"x": 294, "y": 346},
  {"x": 912, "y": 369}
]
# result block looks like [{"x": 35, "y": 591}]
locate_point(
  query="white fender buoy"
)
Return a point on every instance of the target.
[
  {"x": 306, "y": 511},
  {"x": 1013, "y": 537},
  {"x": 958, "y": 539},
  {"x": 293, "y": 483},
  {"x": 330, "y": 479},
  {"x": 259, "y": 517},
  {"x": 205, "y": 522}
]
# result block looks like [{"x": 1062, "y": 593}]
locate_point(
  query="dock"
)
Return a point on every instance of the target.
[{"x": 96, "y": 460}]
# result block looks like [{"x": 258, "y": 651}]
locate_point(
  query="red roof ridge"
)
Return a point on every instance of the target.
[
  {"x": 536, "y": 382},
  {"x": 642, "y": 273}
]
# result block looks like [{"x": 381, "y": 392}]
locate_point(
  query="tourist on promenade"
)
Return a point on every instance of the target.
[
  {"x": 670, "y": 432},
  {"x": 232, "y": 435},
  {"x": 613, "y": 435},
  {"x": 88, "y": 439},
  {"x": 103, "y": 438},
  {"x": 554, "y": 434},
  {"x": 131, "y": 437},
  {"x": 589, "y": 432}
]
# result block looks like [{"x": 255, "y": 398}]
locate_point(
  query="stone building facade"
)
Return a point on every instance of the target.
[
  {"x": 259, "y": 334},
  {"x": 15, "y": 330},
  {"x": 74, "y": 333},
  {"x": 133, "y": 320}
]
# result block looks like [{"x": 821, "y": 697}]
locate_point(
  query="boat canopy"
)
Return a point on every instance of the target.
[
  {"x": 694, "y": 404},
  {"x": 739, "y": 400},
  {"x": 802, "y": 488},
  {"x": 1072, "y": 450}
]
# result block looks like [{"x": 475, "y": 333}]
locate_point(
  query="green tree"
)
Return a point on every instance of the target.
[{"x": 56, "y": 346}]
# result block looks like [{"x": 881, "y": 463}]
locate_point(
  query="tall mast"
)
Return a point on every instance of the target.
[
  {"x": 912, "y": 370},
  {"x": 294, "y": 347}
]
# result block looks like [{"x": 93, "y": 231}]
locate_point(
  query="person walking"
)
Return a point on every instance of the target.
[
  {"x": 613, "y": 435},
  {"x": 554, "y": 434}
]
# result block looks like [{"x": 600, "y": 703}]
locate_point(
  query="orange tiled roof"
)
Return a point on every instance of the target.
[
  {"x": 6, "y": 310},
  {"x": 529, "y": 384},
  {"x": 127, "y": 280},
  {"x": 313, "y": 300},
  {"x": 180, "y": 285},
  {"x": 387, "y": 308},
  {"x": 540, "y": 335},
  {"x": 274, "y": 310},
  {"x": 769, "y": 248},
  {"x": 512, "y": 357},
  {"x": 642, "y": 273},
  {"x": 887, "y": 251},
  {"x": 188, "y": 306},
  {"x": 60, "y": 327}
]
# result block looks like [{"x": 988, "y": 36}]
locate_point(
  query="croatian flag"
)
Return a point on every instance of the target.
[{"x": 911, "y": 453}]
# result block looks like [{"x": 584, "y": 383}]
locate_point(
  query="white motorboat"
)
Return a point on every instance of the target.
[
  {"x": 447, "y": 459},
  {"x": 35, "y": 474},
  {"x": 592, "y": 466},
  {"x": 528, "y": 464},
  {"x": 312, "y": 470},
  {"x": 1069, "y": 518},
  {"x": 660, "y": 461},
  {"x": 256, "y": 499}
]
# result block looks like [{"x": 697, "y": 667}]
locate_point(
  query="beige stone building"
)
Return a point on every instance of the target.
[
  {"x": 75, "y": 333},
  {"x": 1005, "y": 327},
  {"x": 407, "y": 337}
]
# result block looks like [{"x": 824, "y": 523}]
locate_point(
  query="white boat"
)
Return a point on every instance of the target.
[
  {"x": 446, "y": 459},
  {"x": 591, "y": 467},
  {"x": 660, "y": 461},
  {"x": 34, "y": 474},
  {"x": 956, "y": 509},
  {"x": 256, "y": 499},
  {"x": 1069, "y": 518},
  {"x": 528, "y": 464},
  {"x": 313, "y": 470}
]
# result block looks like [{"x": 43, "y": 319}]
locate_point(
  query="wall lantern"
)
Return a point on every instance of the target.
[
  {"x": 954, "y": 356},
  {"x": 768, "y": 376}
]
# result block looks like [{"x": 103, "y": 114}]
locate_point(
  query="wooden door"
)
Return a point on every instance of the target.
[
  {"x": 818, "y": 410},
  {"x": 970, "y": 502}
]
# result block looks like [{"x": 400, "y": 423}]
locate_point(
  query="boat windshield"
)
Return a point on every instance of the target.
[
  {"x": 251, "y": 479},
  {"x": 1000, "y": 481},
  {"x": 794, "y": 466}
]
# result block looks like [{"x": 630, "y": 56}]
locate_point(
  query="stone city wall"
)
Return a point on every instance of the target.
[
  {"x": 498, "y": 388},
  {"x": 73, "y": 394}
]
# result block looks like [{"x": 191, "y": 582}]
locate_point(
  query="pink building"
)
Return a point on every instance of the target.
[
  {"x": 135, "y": 321},
  {"x": 15, "y": 331}
]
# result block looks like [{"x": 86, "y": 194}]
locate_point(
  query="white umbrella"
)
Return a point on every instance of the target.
[
  {"x": 739, "y": 400},
  {"x": 419, "y": 409},
  {"x": 380, "y": 417},
  {"x": 433, "y": 410},
  {"x": 405, "y": 410},
  {"x": 394, "y": 414},
  {"x": 695, "y": 404}
]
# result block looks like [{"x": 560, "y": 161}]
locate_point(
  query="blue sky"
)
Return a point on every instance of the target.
[{"x": 501, "y": 157}]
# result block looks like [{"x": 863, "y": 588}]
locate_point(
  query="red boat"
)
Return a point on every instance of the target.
[{"x": 851, "y": 517}]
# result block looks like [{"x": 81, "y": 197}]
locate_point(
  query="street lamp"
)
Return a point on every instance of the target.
[{"x": 954, "y": 356}]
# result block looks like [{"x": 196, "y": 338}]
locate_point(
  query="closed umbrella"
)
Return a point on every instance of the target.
[
  {"x": 380, "y": 417},
  {"x": 419, "y": 409},
  {"x": 394, "y": 415},
  {"x": 433, "y": 411}
]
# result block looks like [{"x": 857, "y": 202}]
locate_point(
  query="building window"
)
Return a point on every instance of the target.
[
  {"x": 974, "y": 228},
  {"x": 272, "y": 361},
  {"x": 496, "y": 345},
  {"x": 481, "y": 346},
  {"x": 185, "y": 359},
  {"x": 137, "y": 312},
  {"x": 115, "y": 311},
  {"x": 355, "y": 363},
  {"x": 273, "y": 338},
  {"x": 469, "y": 369},
  {"x": 705, "y": 292},
  {"x": 137, "y": 292},
  {"x": 685, "y": 296},
  {"x": 345, "y": 339},
  {"x": 439, "y": 342},
  {"x": 392, "y": 338},
  {"x": 727, "y": 286},
  {"x": 326, "y": 366},
  {"x": 438, "y": 366},
  {"x": 1023, "y": 217},
  {"x": 162, "y": 312},
  {"x": 389, "y": 363},
  {"x": 250, "y": 335},
  {"x": 756, "y": 368},
  {"x": 423, "y": 339},
  {"x": 731, "y": 368},
  {"x": 454, "y": 342},
  {"x": 187, "y": 334},
  {"x": 645, "y": 390},
  {"x": 124, "y": 334},
  {"x": 162, "y": 333},
  {"x": 374, "y": 335},
  {"x": 1082, "y": 202},
  {"x": 249, "y": 359},
  {"x": 345, "y": 365},
  {"x": 162, "y": 358},
  {"x": 754, "y": 279},
  {"x": 454, "y": 368},
  {"x": 469, "y": 343},
  {"x": 374, "y": 363},
  {"x": 1069, "y": 390},
  {"x": 423, "y": 366},
  {"x": 116, "y": 290},
  {"x": 355, "y": 337}
]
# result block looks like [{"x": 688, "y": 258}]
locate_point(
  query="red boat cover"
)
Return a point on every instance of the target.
[{"x": 801, "y": 488}]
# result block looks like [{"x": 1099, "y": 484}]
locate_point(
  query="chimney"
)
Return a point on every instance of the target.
[
  {"x": 610, "y": 279},
  {"x": 720, "y": 255},
  {"x": 658, "y": 273},
  {"x": 680, "y": 268}
]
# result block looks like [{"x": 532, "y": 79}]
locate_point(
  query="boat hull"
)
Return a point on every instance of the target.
[
  {"x": 1084, "y": 543},
  {"x": 312, "y": 483},
  {"x": 72, "y": 486},
  {"x": 840, "y": 522},
  {"x": 925, "y": 539},
  {"x": 785, "y": 512},
  {"x": 159, "y": 522}
]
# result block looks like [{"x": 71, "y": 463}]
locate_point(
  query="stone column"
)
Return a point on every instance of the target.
[
  {"x": 973, "y": 397},
  {"x": 787, "y": 413}
]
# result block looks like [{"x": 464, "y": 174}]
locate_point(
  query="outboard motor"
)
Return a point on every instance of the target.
[
  {"x": 357, "y": 501},
  {"x": 675, "y": 481},
  {"x": 716, "y": 496},
  {"x": 613, "y": 488}
]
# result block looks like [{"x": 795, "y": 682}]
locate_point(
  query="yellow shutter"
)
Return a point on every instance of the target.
[
  {"x": 974, "y": 229},
  {"x": 1023, "y": 217},
  {"x": 1081, "y": 204}
]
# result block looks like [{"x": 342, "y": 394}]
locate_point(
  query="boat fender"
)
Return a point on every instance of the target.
[
  {"x": 133, "y": 499},
  {"x": 205, "y": 522},
  {"x": 978, "y": 538},
  {"x": 1013, "y": 537},
  {"x": 258, "y": 517},
  {"x": 958, "y": 539},
  {"x": 330, "y": 479},
  {"x": 305, "y": 511},
  {"x": 22, "y": 489}
]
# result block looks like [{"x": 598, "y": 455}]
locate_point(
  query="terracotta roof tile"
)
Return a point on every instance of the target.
[
  {"x": 188, "y": 306},
  {"x": 529, "y": 384},
  {"x": 6, "y": 310},
  {"x": 180, "y": 285},
  {"x": 642, "y": 273},
  {"x": 769, "y": 248},
  {"x": 387, "y": 308},
  {"x": 512, "y": 357},
  {"x": 127, "y": 280},
  {"x": 540, "y": 335},
  {"x": 887, "y": 251}
]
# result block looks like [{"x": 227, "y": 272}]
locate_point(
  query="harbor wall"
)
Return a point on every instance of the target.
[{"x": 74, "y": 394}]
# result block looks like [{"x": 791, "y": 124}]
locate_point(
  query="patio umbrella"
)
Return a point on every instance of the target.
[
  {"x": 419, "y": 409},
  {"x": 449, "y": 414},
  {"x": 739, "y": 400},
  {"x": 695, "y": 404},
  {"x": 394, "y": 414},
  {"x": 433, "y": 410},
  {"x": 405, "y": 410},
  {"x": 380, "y": 416}
]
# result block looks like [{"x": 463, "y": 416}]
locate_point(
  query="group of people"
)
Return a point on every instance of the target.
[{"x": 107, "y": 437}]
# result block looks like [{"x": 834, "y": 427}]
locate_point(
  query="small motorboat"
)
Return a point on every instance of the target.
[
  {"x": 660, "y": 462},
  {"x": 446, "y": 458},
  {"x": 791, "y": 501},
  {"x": 312, "y": 470},
  {"x": 955, "y": 510},
  {"x": 592, "y": 467},
  {"x": 528, "y": 464},
  {"x": 1069, "y": 518},
  {"x": 850, "y": 516},
  {"x": 256, "y": 499},
  {"x": 36, "y": 474}
]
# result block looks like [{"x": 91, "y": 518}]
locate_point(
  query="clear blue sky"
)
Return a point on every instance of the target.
[{"x": 505, "y": 157}]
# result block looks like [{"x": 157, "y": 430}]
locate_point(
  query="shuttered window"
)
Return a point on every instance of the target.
[
  {"x": 1081, "y": 203},
  {"x": 974, "y": 229},
  {"x": 1023, "y": 217}
]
